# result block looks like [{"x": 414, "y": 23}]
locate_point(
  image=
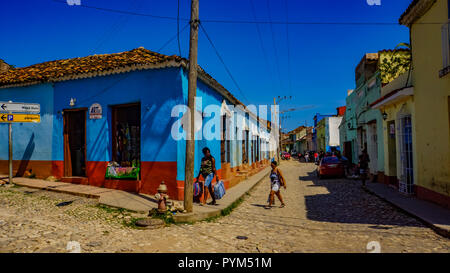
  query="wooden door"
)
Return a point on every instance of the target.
[{"x": 75, "y": 142}]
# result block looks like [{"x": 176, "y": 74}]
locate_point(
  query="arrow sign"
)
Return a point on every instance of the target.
[
  {"x": 17, "y": 107},
  {"x": 19, "y": 118}
]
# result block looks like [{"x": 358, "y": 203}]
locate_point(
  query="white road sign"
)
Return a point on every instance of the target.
[{"x": 18, "y": 107}]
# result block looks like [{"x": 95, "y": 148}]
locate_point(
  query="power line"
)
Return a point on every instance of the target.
[
  {"x": 288, "y": 48},
  {"x": 223, "y": 62},
  {"x": 266, "y": 58},
  {"x": 122, "y": 11},
  {"x": 277, "y": 64},
  {"x": 172, "y": 38},
  {"x": 107, "y": 34},
  {"x": 307, "y": 22},
  {"x": 178, "y": 29},
  {"x": 247, "y": 21},
  {"x": 127, "y": 75}
]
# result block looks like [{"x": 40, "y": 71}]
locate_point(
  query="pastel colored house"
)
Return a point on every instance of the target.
[
  {"x": 428, "y": 21},
  {"x": 363, "y": 127},
  {"x": 291, "y": 140},
  {"x": 326, "y": 133},
  {"x": 347, "y": 134},
  {"x": 320, "y": 135},
  {"x": 397, "y": 106},
  {"x": 317, "y": 118},
  {"x": 304, "y": 140},
  {"x": 107, "y": 115}
]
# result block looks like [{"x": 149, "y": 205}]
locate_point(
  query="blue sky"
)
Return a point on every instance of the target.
[{"x": 322, "y": 57}]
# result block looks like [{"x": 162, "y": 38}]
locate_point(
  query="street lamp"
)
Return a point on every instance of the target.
[{"x": 385, "y": 115}]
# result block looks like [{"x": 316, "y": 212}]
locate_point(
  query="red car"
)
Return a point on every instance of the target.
[
  {"x": 286, "y": 156},
  {"x": 330, "y": 166}
]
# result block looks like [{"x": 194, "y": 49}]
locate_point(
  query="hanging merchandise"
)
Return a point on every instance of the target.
[{"x": 125, "y": 163}]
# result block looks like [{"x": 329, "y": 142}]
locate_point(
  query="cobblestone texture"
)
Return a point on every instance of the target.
[{"x": 330, "y": 215}]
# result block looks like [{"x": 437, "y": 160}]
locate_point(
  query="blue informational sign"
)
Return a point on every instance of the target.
[{"x": 10, "y": 117}]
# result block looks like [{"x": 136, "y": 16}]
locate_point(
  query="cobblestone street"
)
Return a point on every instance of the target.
[{"x": 328, "y": 215}]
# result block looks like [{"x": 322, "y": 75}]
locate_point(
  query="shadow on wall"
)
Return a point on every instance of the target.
[
  {"x": 157, "y": 127},
  {"x": 26, "y": 157},
  {"x": 348, "y": 203}
]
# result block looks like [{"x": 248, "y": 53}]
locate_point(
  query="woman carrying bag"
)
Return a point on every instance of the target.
[{"x": 208, "y": 171}]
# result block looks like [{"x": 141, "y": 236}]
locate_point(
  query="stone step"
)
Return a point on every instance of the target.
[{"x": 75, "y": 180}]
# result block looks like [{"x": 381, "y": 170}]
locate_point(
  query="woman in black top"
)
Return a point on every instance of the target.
[
  {"x": 363, "y": 166},
  {"x": 208, "y": 171}
]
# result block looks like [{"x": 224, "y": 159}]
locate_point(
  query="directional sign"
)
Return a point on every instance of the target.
[
  {"x": 7, "y": 118},
  {"x": 20, "y": 107}
]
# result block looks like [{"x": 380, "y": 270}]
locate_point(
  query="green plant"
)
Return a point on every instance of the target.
[
  {"x": 231, "y": 207},
  {"x": 394, "y": 63},
  {"x": 167, "y": 216}
]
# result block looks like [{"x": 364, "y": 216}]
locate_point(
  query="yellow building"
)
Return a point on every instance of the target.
[
  {"x": 428, "y": 21},
  {"x": 321, "y": 146}
]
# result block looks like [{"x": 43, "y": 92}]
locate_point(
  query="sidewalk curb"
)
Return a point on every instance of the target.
[
  {"x": 196, "y": 217},
  {"x": 441, "y": 231},
  {"x": 80, "y": 194}
]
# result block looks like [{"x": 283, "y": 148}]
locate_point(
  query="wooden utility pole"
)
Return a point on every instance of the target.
[
  {"x": 10, "y": 163},
  {"x": 10, "y": 152},
  {"x": 278, "y": 129},
  {"x": 192, "y": 90}
]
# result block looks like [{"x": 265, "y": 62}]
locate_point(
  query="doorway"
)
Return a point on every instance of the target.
[
  {"x": 392, "y": 151},
  {"x": 348, "y": 151},
  {"x": 75, "y": 143},
  {"x": 372, "y": 146},
  {"x": 244, "y": 147},
  {"x": 126, "y": 138}
]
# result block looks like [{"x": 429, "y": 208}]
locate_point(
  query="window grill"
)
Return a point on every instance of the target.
[
  {"x": 446, "y": 44},
  {"x": 406, "y": 181}
]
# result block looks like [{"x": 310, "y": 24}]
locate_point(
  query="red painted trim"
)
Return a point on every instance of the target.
[
  {"x": 58, "y": 169},
  {"x": 123, "y": 185},
  {"x": 95, "y": 171},
  {"x": 391, "y": 181},
  {"x": 153, "y": 173},
  {"x": 41, "y": 168},
  {"x": 432, "y": 196}
]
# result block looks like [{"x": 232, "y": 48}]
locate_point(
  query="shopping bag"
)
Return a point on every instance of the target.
[
  {"x": 197, "y": 189},
  {"x": 219, "y": 190}
]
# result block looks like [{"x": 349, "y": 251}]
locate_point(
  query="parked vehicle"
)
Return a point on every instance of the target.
[
  {"x": 286, "y": 156},
  {"x": 330, "y": 166}
]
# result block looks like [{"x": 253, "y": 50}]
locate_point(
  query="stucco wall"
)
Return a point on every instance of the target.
[
  {"x": 31, "y": 141},
  {"x": 431, "y": 100},
  {"x": 157, "y": 91}
]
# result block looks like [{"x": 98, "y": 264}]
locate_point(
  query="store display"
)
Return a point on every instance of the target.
[{"x": 126, "y": 144}]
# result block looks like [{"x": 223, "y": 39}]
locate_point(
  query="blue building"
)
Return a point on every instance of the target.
[{"x": 107, "y": 121}]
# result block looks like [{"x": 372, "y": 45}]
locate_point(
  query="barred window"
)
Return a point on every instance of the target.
[{"x": 446, "y": 44}]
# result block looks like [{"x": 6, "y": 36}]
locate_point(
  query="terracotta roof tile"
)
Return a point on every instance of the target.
[
  {"x": 48, "y": 71},
  {"x": 100, "y": 65},
  {"x": 415, "y": 10},
  {"x": 408, "y": 10}
]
